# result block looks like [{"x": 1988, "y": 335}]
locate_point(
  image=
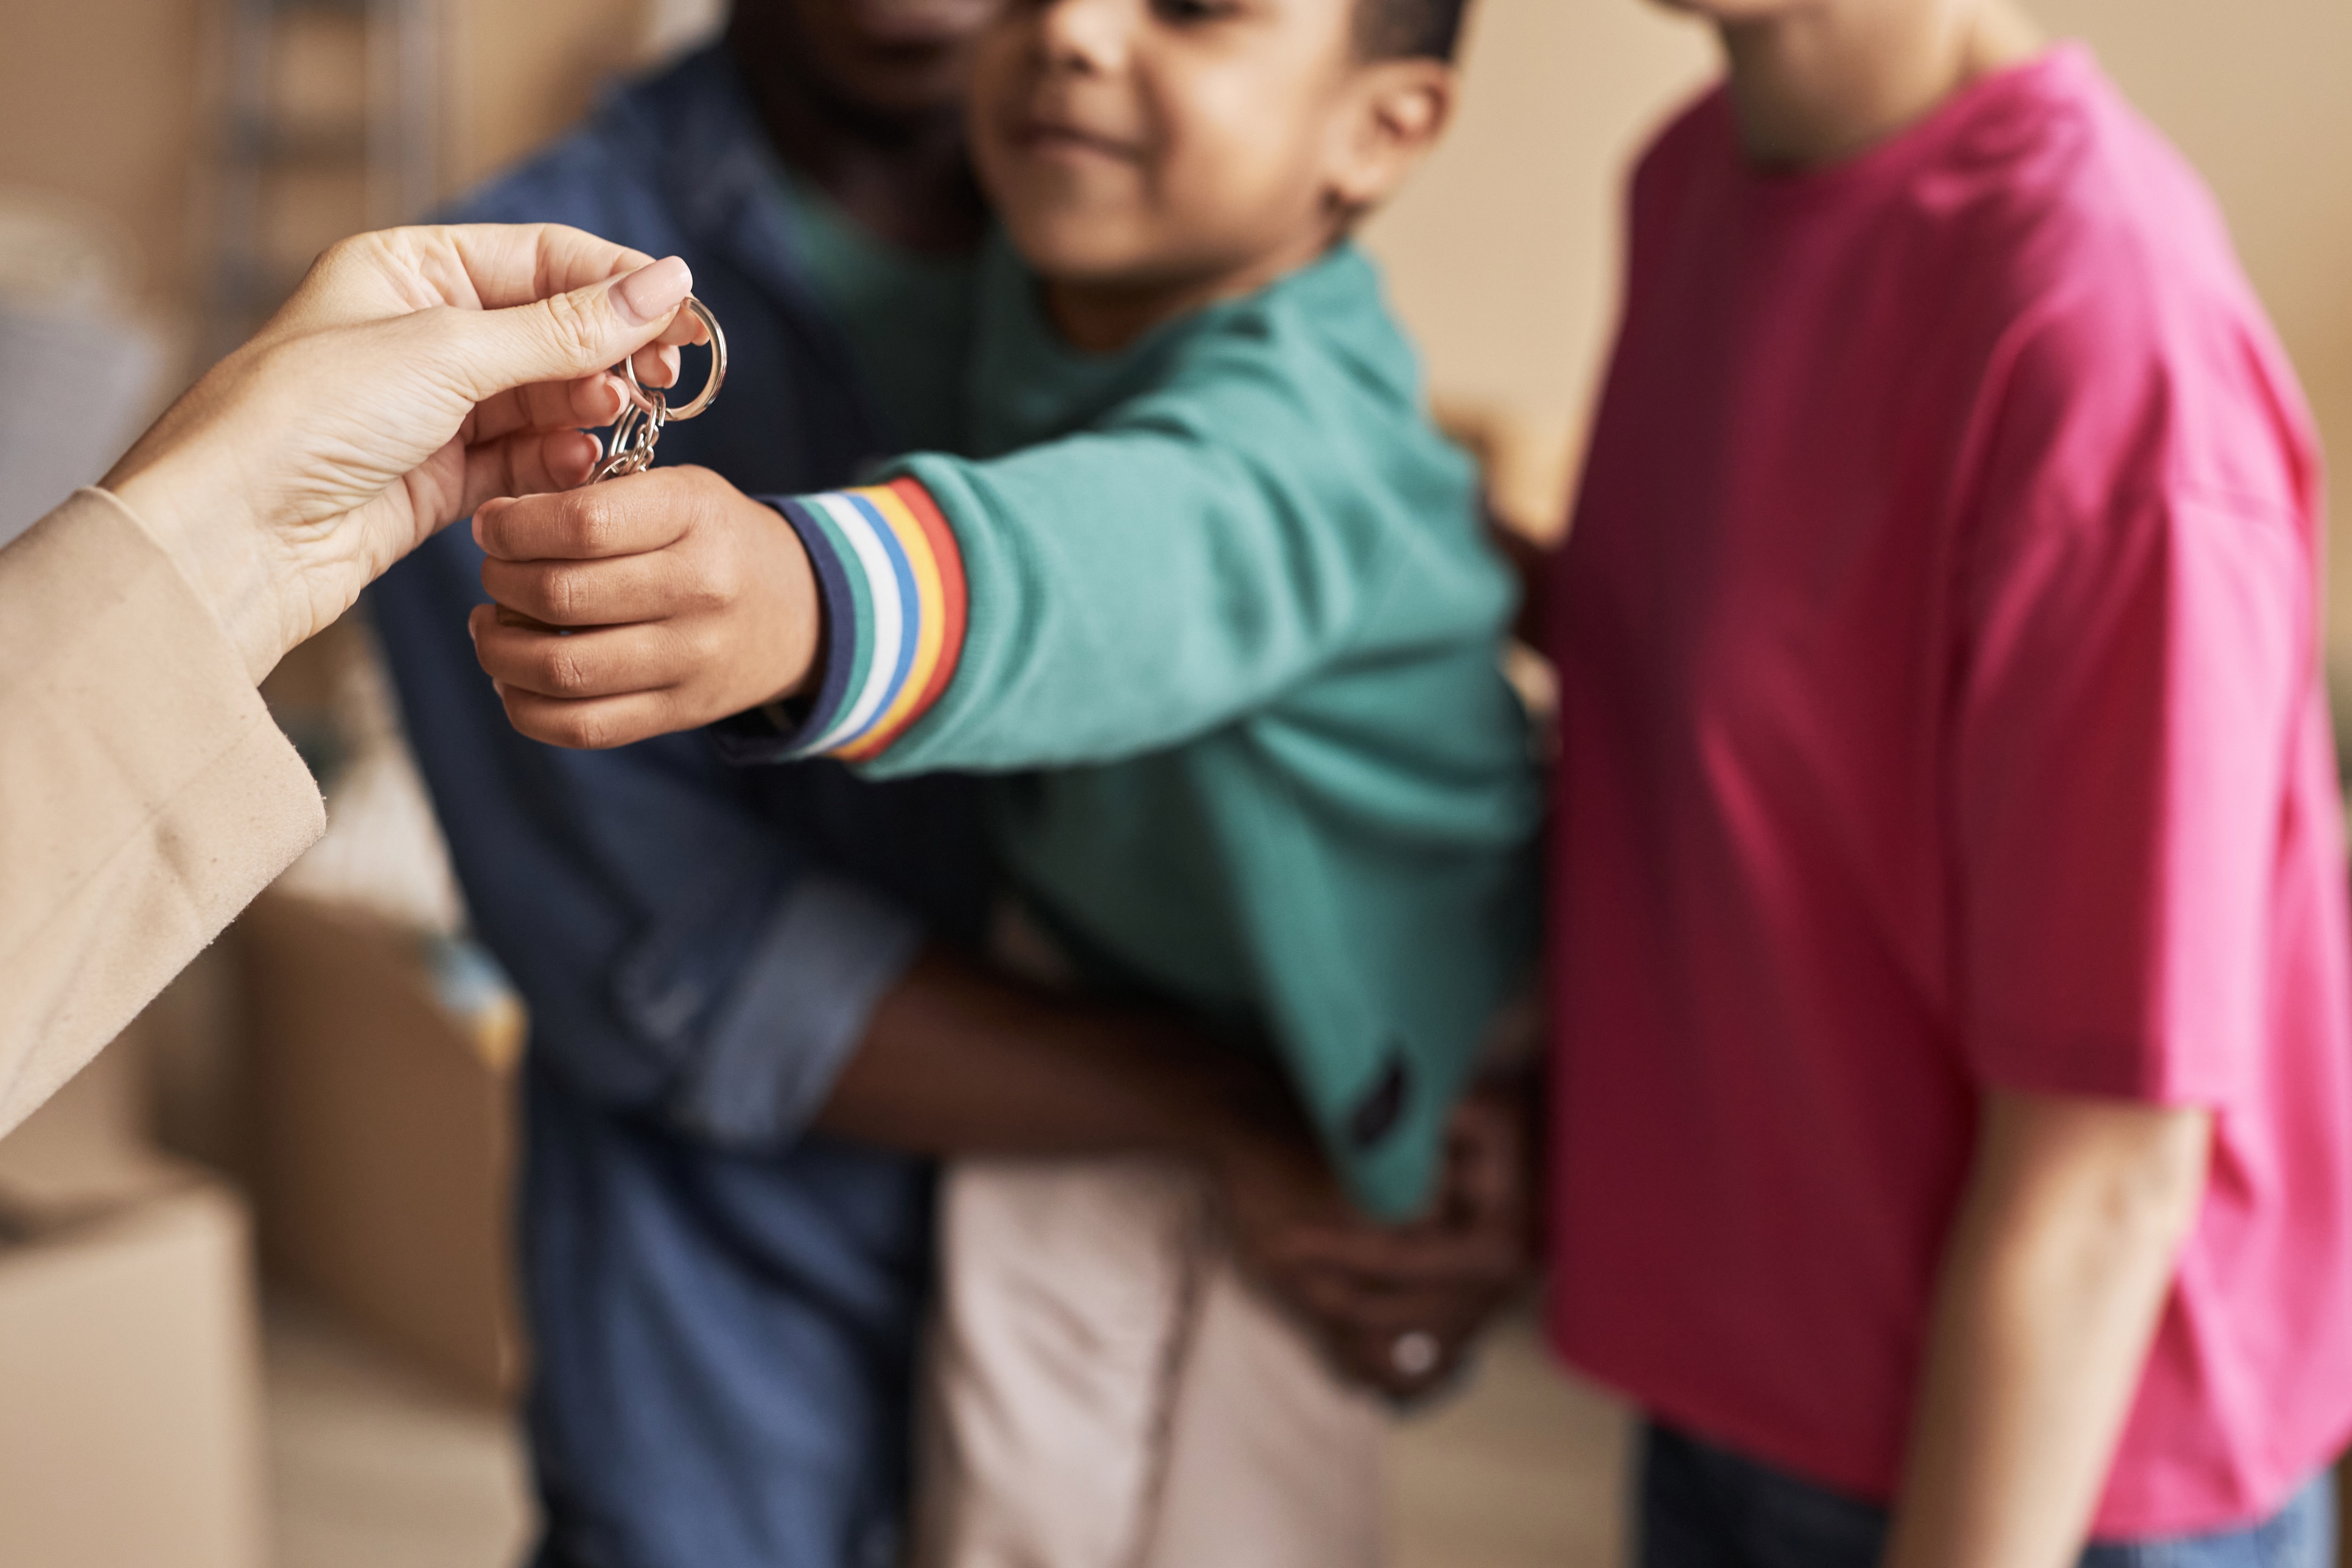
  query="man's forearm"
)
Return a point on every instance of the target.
[
  {"x": 958, "y": 1061},
  {"x": 2053, "y": 1283}
]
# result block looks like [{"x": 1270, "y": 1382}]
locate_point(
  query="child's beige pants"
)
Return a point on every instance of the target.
[{"x": 1105, "y": 1391}]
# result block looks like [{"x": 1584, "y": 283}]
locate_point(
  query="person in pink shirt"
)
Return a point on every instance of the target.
[{"x": 1952, "y": 984}]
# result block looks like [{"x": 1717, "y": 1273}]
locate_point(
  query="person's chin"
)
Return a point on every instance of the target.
[
  {"x": 1062, "y": 213},
  {"x": 906, "y": 83},
  {"x": 1083, "y": 249},
  {"x": 920, "y": 23}
]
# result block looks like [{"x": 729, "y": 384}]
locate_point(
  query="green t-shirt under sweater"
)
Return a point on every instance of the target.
[
  {"x": 907, "y": 317},
  {"x": 1234, "y": 629}
]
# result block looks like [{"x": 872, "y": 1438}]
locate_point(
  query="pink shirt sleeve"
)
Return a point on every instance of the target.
[{"x": 2137, "y": 648}]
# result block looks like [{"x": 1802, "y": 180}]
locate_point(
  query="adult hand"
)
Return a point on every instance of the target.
[
  {"x": 1274, "y": 1185},
  {"x": 1398, "y": 1307},
  {"x": 692, "y": 601},
  {"x": 414, "y": 373}
]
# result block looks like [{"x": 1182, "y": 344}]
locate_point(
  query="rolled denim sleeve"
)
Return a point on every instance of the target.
[
  {"x": 764, "y": 1063},
  {"x": 690, "y": 949}
]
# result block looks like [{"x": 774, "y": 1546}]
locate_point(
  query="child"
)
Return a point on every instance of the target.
[
  {"x": 1948, "y": 909},
  {"x": 1219, "y": 578}
]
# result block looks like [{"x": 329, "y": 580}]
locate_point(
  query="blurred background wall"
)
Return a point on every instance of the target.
[{"x": 118, "y": 105}]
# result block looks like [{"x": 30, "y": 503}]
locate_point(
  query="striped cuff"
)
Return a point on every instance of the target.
[{"x": 892, "y": 578}]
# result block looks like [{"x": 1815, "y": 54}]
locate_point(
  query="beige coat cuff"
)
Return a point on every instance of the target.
[{"x": 145, "y": 794}]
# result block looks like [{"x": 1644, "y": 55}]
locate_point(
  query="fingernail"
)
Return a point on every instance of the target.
[{"x": 652, "y": 290}]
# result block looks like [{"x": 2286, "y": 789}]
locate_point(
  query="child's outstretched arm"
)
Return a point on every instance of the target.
[
  {"x": 1089, "y": 599},
  {"x": 2053, "y": 1285}
]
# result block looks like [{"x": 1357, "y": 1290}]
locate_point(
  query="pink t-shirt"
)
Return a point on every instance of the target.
[{"x": 1941, "y": 713}]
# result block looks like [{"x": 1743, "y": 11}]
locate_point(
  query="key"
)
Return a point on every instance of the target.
[{"x": 629, "y": 450}]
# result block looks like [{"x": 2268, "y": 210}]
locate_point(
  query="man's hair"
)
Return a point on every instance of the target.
[{"x": 1409, "y": 30}]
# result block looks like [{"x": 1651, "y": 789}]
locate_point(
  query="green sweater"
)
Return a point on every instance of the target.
[{"x": 1233, "y": 633}]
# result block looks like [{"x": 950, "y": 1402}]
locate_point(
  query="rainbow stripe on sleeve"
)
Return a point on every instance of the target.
[{"x": 892, "y": 578}]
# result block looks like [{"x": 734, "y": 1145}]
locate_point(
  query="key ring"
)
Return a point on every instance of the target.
[
  {"x": 710, "y": 392},
  {"x": 630, "y": 447}
]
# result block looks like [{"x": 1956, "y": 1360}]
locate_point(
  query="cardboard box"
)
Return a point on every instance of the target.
[
  {"x": 129, "y": 1362},
  {"x": 382, "y": 1127}
]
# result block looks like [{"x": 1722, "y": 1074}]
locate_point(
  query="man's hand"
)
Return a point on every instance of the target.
[
  {"x": 1398, "y": 1307},
  {"x": 1273, "y": 1184},
  {"x": 414, "y": 373},
  {"x": 959, "y": 1061},
  {"x": 648, "y": 604}
]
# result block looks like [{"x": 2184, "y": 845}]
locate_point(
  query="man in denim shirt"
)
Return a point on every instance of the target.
[{"x": 725, "y": 1306}]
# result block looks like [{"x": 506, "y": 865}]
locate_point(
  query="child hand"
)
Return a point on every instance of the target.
[{"x": 692, "y": 602}]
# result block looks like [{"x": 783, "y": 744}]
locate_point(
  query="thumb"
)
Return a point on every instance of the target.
[{"x": 567, "y": 335}]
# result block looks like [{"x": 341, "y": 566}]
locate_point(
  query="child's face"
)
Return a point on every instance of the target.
[{"x": 1147, "y": 143}]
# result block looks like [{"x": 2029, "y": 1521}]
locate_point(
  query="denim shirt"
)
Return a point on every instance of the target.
[{"x": 724, "y": 1309}]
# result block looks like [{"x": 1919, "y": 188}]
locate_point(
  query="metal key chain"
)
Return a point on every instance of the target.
[{"x": 629, "y": 450}]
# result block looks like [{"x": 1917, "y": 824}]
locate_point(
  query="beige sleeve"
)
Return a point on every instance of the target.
[{"x": 145, "y": 794}]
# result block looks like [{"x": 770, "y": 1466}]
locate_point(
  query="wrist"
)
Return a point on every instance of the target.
[
  {"x": 216, "y": 548},
  {"x": 778, "y": 605},
  {"x": 1227, "y": 1122},
  {"x": 801, "y": 658},
  {"x": 1176, "y": 1102},
  {"x": 883, "y": 580},
  {"x": 1213, "y": 1139}
]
